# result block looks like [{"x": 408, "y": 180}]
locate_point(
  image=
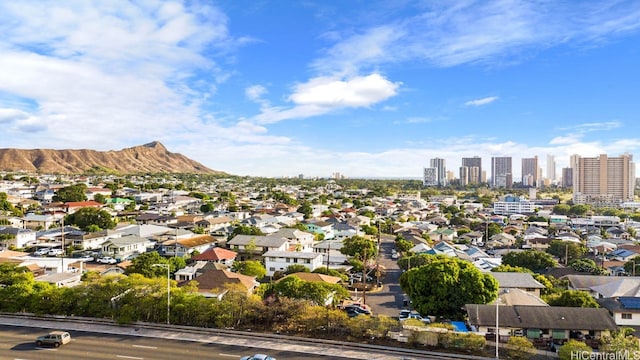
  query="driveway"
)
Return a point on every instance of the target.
[{"x": 388, "y": 300}]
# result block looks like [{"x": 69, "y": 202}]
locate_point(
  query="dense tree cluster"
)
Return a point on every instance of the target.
[{"x": 444, "y": 285}]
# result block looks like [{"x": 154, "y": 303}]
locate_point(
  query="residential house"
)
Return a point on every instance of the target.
[
  {"x": 625, "y": 310},
  {"x": 73, "y": 206},
  {"x": 62, "y": 279},
  {"x": 622, "y": 254},
  {"x": 216, "y": 283},
  {"x": 540, "y": 324},
  {"x": 248, "y": 246},
  {"x": 216, "y": 255},
  {"x": 359, "y": 220},
  {"x": 501, "y": 240},
  {"x": 211, "y": 224},
  {"x": 186, "y": 246},
  {"x": 91, "y": 241},
  {"x": 317, "y": 278},
  {"x": 473, "y": 238},
  {"x": 601, "y": 286},
  {"x": 321, "y": 227},
  {"x": 443, "y": 234},
  {"x": 515, "y": 296},
  {"x": 38, "y": 222},
  {"x": 516, "y": 280},
  {"x": 93, "y": 191},
  {"x": 298, "y": 240},
  {"x": 279, "y": 260},
  {"x": 330, "y": 250},
  {"x": 124, "y": 247},
  {"x": 343, "y": 231},
  {"x": 17, "y": 238}
]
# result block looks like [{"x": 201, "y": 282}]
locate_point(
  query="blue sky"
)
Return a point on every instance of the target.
[{"x": 364, "y": 88}]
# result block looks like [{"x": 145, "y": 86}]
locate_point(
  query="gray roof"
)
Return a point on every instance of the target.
[
  {"x": 586, "y": 282},
  {"x": 127, "y": 240},
  {"x": 541, "y": 317},
  {"x": 258, "y": 240},
  {"x": 516, "y": 280}
]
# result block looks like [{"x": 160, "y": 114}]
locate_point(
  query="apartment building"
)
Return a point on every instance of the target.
[
  {"x": 530, "y": 172},
  {"x": 501, "y": 172},
  {"x": 603, "y": 181},
  {"x": 474, "y": 165}
]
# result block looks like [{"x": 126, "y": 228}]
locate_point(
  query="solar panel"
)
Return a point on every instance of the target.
[{"x": 630, "y": 302}]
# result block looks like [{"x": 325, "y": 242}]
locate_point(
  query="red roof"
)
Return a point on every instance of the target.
[
  {"x": 77, "y": 204},
  {"x": 215, "y": 254}
]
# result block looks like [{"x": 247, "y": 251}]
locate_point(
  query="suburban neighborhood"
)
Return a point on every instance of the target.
[{"x": 557, "y": 273}]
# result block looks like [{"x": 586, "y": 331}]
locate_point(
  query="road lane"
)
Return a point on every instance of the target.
[{"x": 18, "y": 343}]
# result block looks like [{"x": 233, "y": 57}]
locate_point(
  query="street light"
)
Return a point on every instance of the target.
[{"x": 168, "y": 289}]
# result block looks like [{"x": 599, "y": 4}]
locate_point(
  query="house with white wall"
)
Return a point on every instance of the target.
[
  {"x": 280, "y": 260},
  {"x": 20, "y": 237}
]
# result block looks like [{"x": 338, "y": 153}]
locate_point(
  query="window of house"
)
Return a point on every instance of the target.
[
  {"x": 307, "y": 261},
  {"x": 288, "y": 260},
  {"x": 627, "y": 316},
  {"x": 272, "y": 269},
  {"x": 295, "y": 261},
  {"x": 272, "y": 259}
]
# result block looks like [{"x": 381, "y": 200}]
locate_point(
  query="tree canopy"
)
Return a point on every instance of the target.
[
  {"x": 572, "y": 298},
  {"x": 357, "y": 246},
  {"x": 531, "y": 259},
  {"x": 250, "y": 268},
  {"x": 566, "y": 250},
  {"x": 85, "y": 217},
  {"x": 72, "y": 193},
  {"x": 145, "y": 264},
  {"x": 444, "y": 285}
]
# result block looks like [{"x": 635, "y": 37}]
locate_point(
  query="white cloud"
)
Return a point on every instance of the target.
[
  {"x": 358, "y": 91},
  {"x": 89, "y": 70},
  {"x": 255, "y": 92},
  {"x": 9, "y": 115},
  {"x": 459, "y": 32},
  {"x": 480, "y": 102},
  {"x": 321, "y": 95}
]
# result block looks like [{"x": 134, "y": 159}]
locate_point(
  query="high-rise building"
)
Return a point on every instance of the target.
[
  {"x": 501, "y": 173},
  {"x": 603, "y": 181},
  {"x": 567, "y": 177},
  {"x": 530, "y": 172},
  {"x": 551, "y": 168},
  {"x": 441, "y": 171},
  {"x": 430, "y": 177},
  {"x": 464, "y": 175},
  {"x": 475, "y": 177}
]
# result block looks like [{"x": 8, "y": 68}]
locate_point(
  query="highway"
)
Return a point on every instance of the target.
[
  {"x": 103, "y": 339},
  {"x": 18, "y": 343}
]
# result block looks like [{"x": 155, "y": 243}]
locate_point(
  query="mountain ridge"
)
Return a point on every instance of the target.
[{"x": 151, "y": 157}]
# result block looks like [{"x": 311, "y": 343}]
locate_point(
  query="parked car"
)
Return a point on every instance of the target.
[
  {"x": 54, "y": 338},
  {"x": 55, "y": 252},
  {"x": 107, "y": 260},
  {"x": 357, "y": 308},
  {"x": 41, "y": 252},
  {"x": 413, "y": 315},
  {"x": 258, "y": 357}
]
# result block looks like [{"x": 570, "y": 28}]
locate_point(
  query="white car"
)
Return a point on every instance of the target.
[
  {"x": 107, "y": 260},
  {"x": 41, "y": 252},
  {"x": 55, "y": 252}
]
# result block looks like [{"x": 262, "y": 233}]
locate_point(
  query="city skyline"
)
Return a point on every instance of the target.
[{"x": 364, "y": 89}]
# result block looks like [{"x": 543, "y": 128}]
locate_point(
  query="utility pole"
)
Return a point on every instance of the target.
[{"x": 364, "y": 278}]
